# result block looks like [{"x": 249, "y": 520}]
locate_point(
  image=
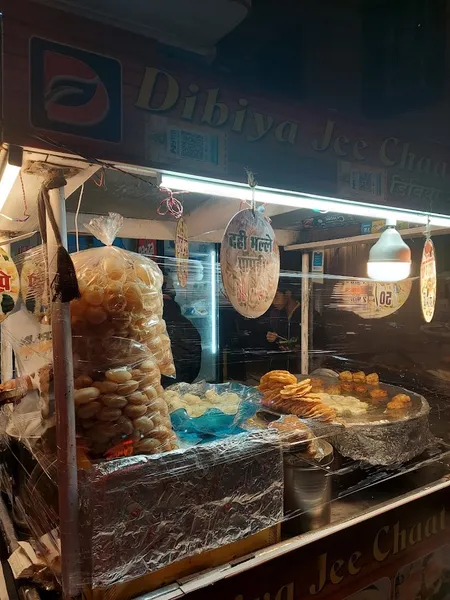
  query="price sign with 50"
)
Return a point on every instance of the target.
[{"x": 384, "y": 294}]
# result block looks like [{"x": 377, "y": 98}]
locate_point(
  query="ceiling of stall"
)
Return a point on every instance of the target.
[
  {"x": 133, "y": 197},
  {"x": 137, "y": 199}
]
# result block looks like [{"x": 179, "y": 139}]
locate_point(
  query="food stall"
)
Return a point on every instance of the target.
[{"x": 124, "y": 486}]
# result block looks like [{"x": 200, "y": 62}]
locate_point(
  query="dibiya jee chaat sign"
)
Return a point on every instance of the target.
[
  {"x": 250, "y": 263},
  {"x": 344, "y": 563},
  {"x": 95, "y": 96}
]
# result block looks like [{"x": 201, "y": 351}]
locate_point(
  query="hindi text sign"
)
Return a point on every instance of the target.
[
  {"x": 250, "y": 263},
  {"x": 182, "y": 252}
]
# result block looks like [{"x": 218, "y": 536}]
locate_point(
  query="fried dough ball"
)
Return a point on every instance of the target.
[
  {"x": 399, "y": 401},
  {"x": 345, "y": 376},
  {"x": 317, "y": 385},
  {"x": 359, "y": 377},
  {"x": 361, "y": 389},
  {"x": 347, "y": 386},
  {"x": 334, "y": 390},
  {"x": 378, "y": 394},
  {"x": 373, "y": 379}
]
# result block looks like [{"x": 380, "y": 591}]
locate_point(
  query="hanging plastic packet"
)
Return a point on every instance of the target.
[{"x": 120, "y": 297}]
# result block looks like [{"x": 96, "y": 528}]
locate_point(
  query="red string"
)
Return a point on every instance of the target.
[
  {"x": 101, "y": 180},
  {"x": 170, "y": 204},
  {"x": 244, "y": 203}
]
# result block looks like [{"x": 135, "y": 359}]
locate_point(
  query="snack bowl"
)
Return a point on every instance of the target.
[{"x": 213, "y": 421}]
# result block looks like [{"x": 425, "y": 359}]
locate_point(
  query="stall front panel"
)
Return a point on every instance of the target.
[{"x": 400, "y": 555}]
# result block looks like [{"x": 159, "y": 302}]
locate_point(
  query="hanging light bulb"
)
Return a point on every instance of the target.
[{"x": 390, "y": 257}]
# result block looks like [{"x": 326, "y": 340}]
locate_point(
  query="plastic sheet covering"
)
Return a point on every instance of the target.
[
  {"x": 201, "y": 410},
  {"x": 143, "y": 512},
  {"x": 120, "y": 297},
  {"x": 372, "y": 422},
  {"x": 146, "y": 512},
  {"x": 118, "y": 395},
  {"x": 119, "y": 402}
]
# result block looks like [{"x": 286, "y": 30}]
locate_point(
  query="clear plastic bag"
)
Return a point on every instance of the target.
[
  {"x": 120, "y": 296},
  {"x": 119, "y": 403},
  {"x": 34, "y": 283}
]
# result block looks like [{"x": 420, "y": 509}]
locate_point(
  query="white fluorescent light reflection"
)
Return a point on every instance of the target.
[
  {"x": 240, "y": 191},
  {"x": 7, "y": 180}
]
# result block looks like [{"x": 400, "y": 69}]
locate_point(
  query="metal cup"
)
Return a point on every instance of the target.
[{"x": 307, "y": 488}]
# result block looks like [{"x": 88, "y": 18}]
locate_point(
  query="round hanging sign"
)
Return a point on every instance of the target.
[
  {"x": 371, "y": 300},
  {"x": 33, "y": 284},
  {"x": 250, "y": 263},
  {"x": 428, "y": 282},
  {"x": 182, "y": 252},
  {"x": 9, "y": 284}
]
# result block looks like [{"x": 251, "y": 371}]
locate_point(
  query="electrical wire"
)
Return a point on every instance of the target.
[
  {"x": 76, "y": 216},
  {"x": 94, "y": 161},
  {"x": 170, "y": 204}
]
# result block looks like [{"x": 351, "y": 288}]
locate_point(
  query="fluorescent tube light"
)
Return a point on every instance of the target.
[
  {"x": 240, "y": 191},
  {"x": 10, "y": 173}
]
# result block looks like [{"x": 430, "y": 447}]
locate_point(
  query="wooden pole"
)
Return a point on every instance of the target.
[{"x": 65, "y": 412}]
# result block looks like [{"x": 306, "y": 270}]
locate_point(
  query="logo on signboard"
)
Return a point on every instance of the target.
[{"x": 74, "y": 91}]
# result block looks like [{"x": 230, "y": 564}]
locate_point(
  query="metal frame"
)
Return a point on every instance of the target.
[{"x": 65, "y": 411}]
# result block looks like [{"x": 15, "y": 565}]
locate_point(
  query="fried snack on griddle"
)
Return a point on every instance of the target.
[
  {"x": 399, "y": 401},
  {"x": 373, "y": 379},
  {"x": 317, "y": 384},
  {"x": 361, "y": 389},
  {"x": 282, "y": 392},
  {"x": 347, "y": 387},
  {"x": 378, "y": 394},
  {"x": 345, "y": 376},
  {"x": 359, "y": 377},
  {"x": 334, "y": 389}
]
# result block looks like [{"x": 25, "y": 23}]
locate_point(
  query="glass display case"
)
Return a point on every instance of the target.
[{"x": 198, "y": 299}]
